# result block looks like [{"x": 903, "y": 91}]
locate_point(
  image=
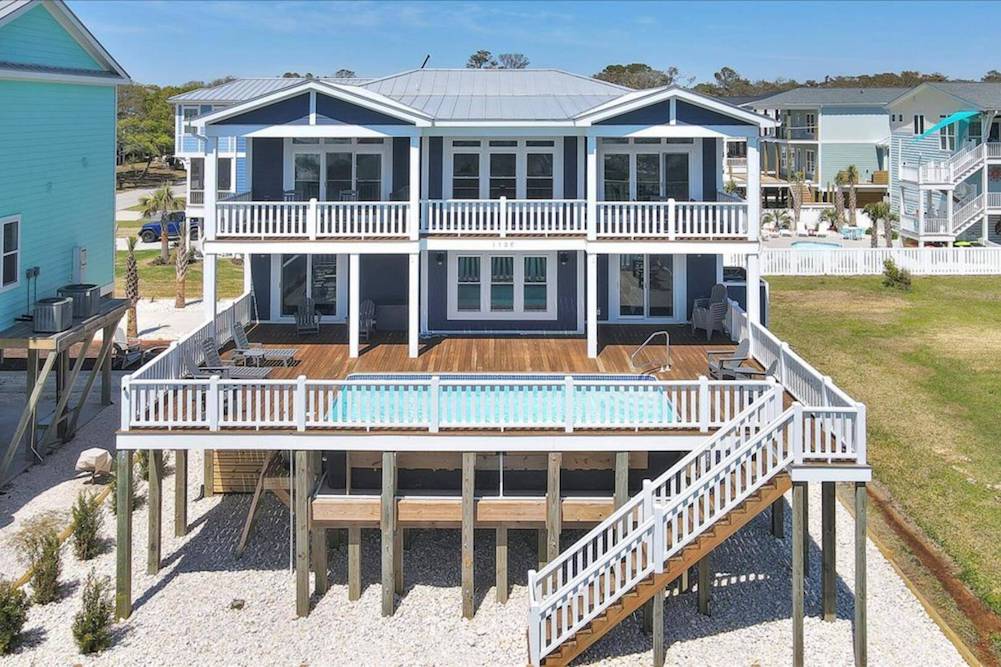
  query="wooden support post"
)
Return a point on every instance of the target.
[
  {"x": 208, "y": 473},
  {"x": 806, "y": 530},
  {"x": 123, "y": 546},
  {"x": 468, "y": 517},
  {"x": 705, "y": 583},
  {"x": 658, "y": 628},
  {"x": 180, "y": 492},
  {"x": 798, "y": 562},
  {"x": 542, "y": 547},
  {"x": 62, "y": 387},
  {"x": 107, "y": 335},
  {"x": 647, "y": 617},
  {"x": 621, "y": 478},
  {"x": 354, "y": 563},
  {"x": 398, "y": 561},
  {"x": 155, "y": 512},
  {"x": 318, "y": 551},
  {"x": 301, "y": 484},
  {"x": 779, "y": 518},
  {"x": 388, "y": 525},
  {"x": 30, "y": 378},
  {"x": 861, "y": 631},
  {"x": 500, "y": 564},
  {"x": 829, "y": 573},
  {"x": 554, "y": 518}
]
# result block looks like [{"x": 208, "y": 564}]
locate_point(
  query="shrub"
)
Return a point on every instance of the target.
[
  {"x": 92, "y": 624},
  {"x": 87, "y": 522},
  {"x": 38, "y": 542},
  {"x": 113, "y": 496},
  {"x": 142, "y": 463},
  {"x": 13, "y": 614},
  {"x": 895, "y": 277}
]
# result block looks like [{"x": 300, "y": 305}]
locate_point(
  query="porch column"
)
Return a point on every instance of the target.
[
  {"x": 861, "y": 632},
  {"x": 414, "y": 188},
  {"x": 210, "y": 177},
  {"x": 413, "y": 304},
  {"x": 123, "y": 545},
  {"x": 753, "y": 289},
  {"x": 353, "y": 292},
  {"x": 592, "y": 188},
  {"x": 592, "y": 305},
  {"x": 208, "y": 286},
  {"x": 753, "y": 189},
  {"x": 248, "y": 281}
]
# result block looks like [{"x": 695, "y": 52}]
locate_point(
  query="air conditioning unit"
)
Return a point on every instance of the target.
[
  {"x": 53, "y": 314},
  {"x": 86, "y": 299}
]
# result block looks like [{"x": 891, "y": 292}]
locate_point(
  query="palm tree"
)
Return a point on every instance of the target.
[
  {"x": 161, "y": 202},
  {"x": 840, "y": 179},
  {"x": 852, "y": 178},
  {"x": 877, "y": 211},
  {"x": 796, "y": 185},
  {"x": 132, "y": 289},
  {"x": 830, "y": 216},
  {"x": 778, "y": 217},
  {"x": 181, "y": 256}
]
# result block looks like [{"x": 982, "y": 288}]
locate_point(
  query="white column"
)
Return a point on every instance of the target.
[
  {"x": 210, "y": 178},
  {"x": 353, "y": 291},
  {"x": 414, "y": 216},
  {"x": 208, "y": 286},
  {"x": 948, "y": 210},
  {"x": 592, "y": 305},
  {"x": 753, "y": 189},
  {"x": 424, "y": 291},
  {"x": 592, "y": 188},
  {"x": 248, "y": 279},
  {"x": 753, "y": 289},
  {"x": 413, "y": 304},
  {"x": 983, "y": 193}
]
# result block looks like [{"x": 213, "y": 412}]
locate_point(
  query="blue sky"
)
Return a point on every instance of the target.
[{"x": 172, "y": 42}]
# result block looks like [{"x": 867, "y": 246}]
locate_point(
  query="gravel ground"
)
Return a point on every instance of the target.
[
  {"x": 185, "y": 610},
  {"x": 171, "y": 323}
]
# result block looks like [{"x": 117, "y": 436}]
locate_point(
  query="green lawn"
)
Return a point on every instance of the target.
[
  {"x": 127, "y": 228},
  {"x": 158, "y": 281},
  {"x": 928, "y": 366}
]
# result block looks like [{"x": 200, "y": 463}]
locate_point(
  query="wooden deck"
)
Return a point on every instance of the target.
[{"x": 325, "y": 356}]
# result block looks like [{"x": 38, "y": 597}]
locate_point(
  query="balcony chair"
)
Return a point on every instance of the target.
[
  {"x": 709, "y": 314},
  {"x": 257, "y": 352},
  {"x": 749, "y": 372},
  {"x": 307, "y": 320},
  {"x": 366, "y": 319},
  {"x": 232, "y": 371},
  {"x": 125, "y": 352},
  {"x": 724, "y": 362},
  {"x": 348, "y": 195}
]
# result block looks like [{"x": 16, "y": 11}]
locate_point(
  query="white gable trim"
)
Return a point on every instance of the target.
[
  {"x": 352, "y": 94},
  {"x": 640, "y": 99}
]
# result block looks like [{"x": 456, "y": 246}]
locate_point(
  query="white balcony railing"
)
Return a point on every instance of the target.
[
  {"x": 503, "y": 217},
  {"x": 312, "y": 219},
  {"x": 956, "y": 168},
  {"x": 672, "y": 220}
]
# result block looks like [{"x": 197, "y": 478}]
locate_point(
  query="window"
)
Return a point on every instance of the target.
[
  {"x": 648, "y": 177},
  {"x": 353, "y": 176},
  {"x": 919, "y": 124},
  {"x": 616, "y": 177},
  {"x": 503, "y": 175},
  {"x": 501, "y": 286},
  {"x": 224, "y": 174},
  {"x": 10, "y": 251},
  {"x": 307, "y": 176},
  {"x": 539, "y": 183},
  {"x": 188, "y": 115},
  {"x": 646, "y": 286},
  {"x": 307, "y": 140},
  {"x": 338, "y": 175},
  {"x": 494, "y": 168},
  {"x": 677, "y": 176},
  {"x": 811, "y": 124},
  {"x": 196, "y": 181},
  {"x": 466, "y": 176},
  {"x": 976, "y": 133},
  {"x": 947, "y": 137},
  {"x": 811, "y": 162}
]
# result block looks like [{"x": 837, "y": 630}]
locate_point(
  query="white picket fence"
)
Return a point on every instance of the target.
[{"x": 869, "y": 261}]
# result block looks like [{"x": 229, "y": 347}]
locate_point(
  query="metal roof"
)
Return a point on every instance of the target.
[
  {"x": 804, "y": 97},
  {"x": 242, "y": 90}
]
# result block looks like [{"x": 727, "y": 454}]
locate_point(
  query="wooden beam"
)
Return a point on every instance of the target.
[
  {"x": 829, "y": 573},
  {"x": 30, "y": 379},
  {"x": 27, "y": 415},
  {"x": 542, "y": 547},
  {"x": 659, "y": 652},
  {"x": 621, "y": 478},
  {"x": 109, "y": 336},
  {"x": 301, "y": 484},
  {"x": 354, "y": 563},
  {"x": 99, "y": 363},
  {"x": 705, "y": 583},
  {"x": 208, "y": 475},
  {"x": 798, "y": 563},
  {"x": 554, "y": 519},
  {"x": 155, "y": 511},
  {"x": 398, "y": 559},
  {"x": 180, "y": 492},
  {"x": 123, "y": 546},
  {"x": 861, "y": 630},
  {"x": 779, "y": 518},
  {"x": 388, "y": 525},
  {"x": 806, "y": 529},
  {"x": 500, "y": 564},
  {"x": 468, "y": 490},
  {"x": 318, "y": 551}
]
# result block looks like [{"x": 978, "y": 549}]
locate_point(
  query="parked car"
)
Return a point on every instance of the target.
[{"x": 151, "y": 231}]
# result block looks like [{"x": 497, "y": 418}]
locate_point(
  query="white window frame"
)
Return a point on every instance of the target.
[
  {"x": 919, "y": 123},
  {"x": 680, "y": 292},
  {"x": 340, "y": 316},
  {"x": 15, "y": 220},
  {"x": 232, "y": 176},
  {"x": 518, "y": 312},
  {"x": 385, "y": 149},
  {"x": 521, "y": 151},
  {"x": 694, "y": 151},
  {"x": 810, "y": 162},
  {"x": 947, "y": 136},
  {"x": 810, "y": 121}
]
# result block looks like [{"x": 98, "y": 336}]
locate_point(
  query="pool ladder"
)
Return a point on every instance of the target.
[{"x": 666, "y": 366}]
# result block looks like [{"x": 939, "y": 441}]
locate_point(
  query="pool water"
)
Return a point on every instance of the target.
[
  {"x": 539, "y": 401},
  {"x": 815, "y": 245}
]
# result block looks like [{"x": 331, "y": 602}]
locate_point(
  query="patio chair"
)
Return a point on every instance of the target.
[
  {"x": 189, "y": 369},
  {"x": 214, "y": 361},
  {"x": 256, "y": 351},
  {"x": 749, "y": 372},
  {"x": 366, "y": 319},
  {"x": 125, "y": 352},
  {"x": 710, "y": 314},
  {"x": 307, "y": 320},
  {"x": 724, "y": 361}
]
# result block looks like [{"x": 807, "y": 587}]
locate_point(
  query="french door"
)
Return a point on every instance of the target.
[
  {"x": 646, "y": 287},
  {"x": 315, "y": 275}
]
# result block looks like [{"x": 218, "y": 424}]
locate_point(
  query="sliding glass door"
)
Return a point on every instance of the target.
[
  {"x": 315, "y": 275},
  {"x": 646, "y": 286}
]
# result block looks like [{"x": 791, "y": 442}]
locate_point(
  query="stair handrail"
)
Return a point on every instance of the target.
[
  {"x": 667, "y": 349},
  {"x": 967, "y": 212},
  {"x": 620, "y": 523}
]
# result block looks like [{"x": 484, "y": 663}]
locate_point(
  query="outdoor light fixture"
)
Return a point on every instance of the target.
[
  {"x": 564, "y": 258},
  {"x": 439, "y": 258}
]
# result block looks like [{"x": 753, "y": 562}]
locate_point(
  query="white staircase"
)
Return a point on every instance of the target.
[
  {"x": 678, "y": 518},
  {"x": 969, "y": 213}
]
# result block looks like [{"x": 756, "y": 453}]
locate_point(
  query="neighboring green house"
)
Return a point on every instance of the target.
[{"x": 57, "y": 154}]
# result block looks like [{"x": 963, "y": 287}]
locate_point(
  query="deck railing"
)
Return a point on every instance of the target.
[
  {"x": 311, "y": 220},
  {"x": 672, "y": 220},
  {"x": 504, "y": 217},
  {"x": 869, "y": 261},
  {"x": 954, "y": 169}
]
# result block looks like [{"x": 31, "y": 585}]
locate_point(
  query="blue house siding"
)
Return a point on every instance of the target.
[
  {"x": 700, "y": 276},
  {"x": 401, "y": 167},
  {"x": 290, "y": 111},
  {"x": 242, "y": 183},
  {"x": 37, "y": 38},
  {"x": 266, "y": 168},
  {"x": 570, "y": 169},
  {"x": 62, "y": 187},
  {"x": 435, "y": 157},
  {"x": 658, "y": 113},
  {"x": 709, "y": 169},
  {"x": 836, "y": 157},
  {"x": 335, "y": 111},
  {"x": 693, "y": 114}
]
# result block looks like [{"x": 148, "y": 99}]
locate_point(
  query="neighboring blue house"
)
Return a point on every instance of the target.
[{"x": 57, "y": 154}]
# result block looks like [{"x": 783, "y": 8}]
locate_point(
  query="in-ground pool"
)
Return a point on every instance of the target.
[
  {"x": 815, "y": 245},
  {"x": 477, "y": 401}
]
